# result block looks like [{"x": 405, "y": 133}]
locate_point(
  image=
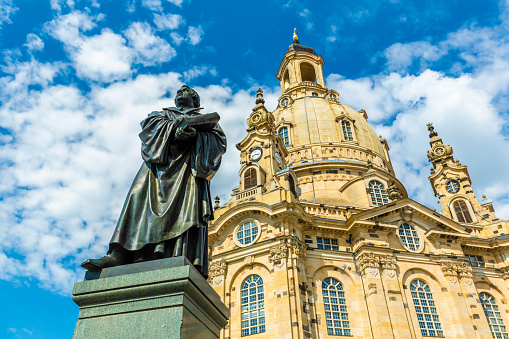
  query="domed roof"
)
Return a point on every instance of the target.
[{"x": 316, "y": 120}]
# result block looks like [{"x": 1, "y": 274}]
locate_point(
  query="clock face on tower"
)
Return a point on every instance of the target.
[
  {"x": 256, "y": 154},
  {"x": 439, "y": 151}
]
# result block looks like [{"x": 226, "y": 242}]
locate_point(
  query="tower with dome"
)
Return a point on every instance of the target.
[{"x": 320, "y": 238}]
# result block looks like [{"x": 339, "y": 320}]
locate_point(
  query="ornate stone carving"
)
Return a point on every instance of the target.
[
  {"x": 465, "y": 273},
  {"x": 393, "y": 192},
  {"x": 505, "y": 272},
  {"x": 388, "y": 263},
  {"x": 406, "y": 214},
  {"x": 450, "y": 270},
  {"x": 277, "y": 254},
  {"x": 369, "y": 265},
  {"x": 217, "y": 271}
]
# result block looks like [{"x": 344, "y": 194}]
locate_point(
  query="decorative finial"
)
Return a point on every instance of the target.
[
  {"x": 217, "y": 199},
  {"x": 431, "y": 130},
  {"x": 484, "y": 197},
  {"x": 259, "y": 96},
  {"x": 295, "y": 37}
]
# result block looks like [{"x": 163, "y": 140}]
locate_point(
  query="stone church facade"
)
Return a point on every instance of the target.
[{"x": 320, "y": 239}]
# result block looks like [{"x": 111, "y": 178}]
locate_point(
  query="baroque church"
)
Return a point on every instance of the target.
[{"x": 320, "y": 239}]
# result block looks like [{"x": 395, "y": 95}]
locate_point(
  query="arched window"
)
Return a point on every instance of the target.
[
  {"x": 347, "y": 130},
  {"x": 291, "y": 183},
  {"x": 286, "y": 80},
  {"x": 336, "y": 313},
  {"x": 283, "y": 132},
  {"x": 333, "y": 97},
  {"x": 253, "y": 308},
  {"x": 409, "y": 237},
  {"x": 307, "y": 72},
  {"x": 250, "y": 178},
  {"x": 492, "y": 312},
  {"x": 378, "y": 193},
  {"x": 427, "y": 314},
  {"x": 462, "y": 212}
]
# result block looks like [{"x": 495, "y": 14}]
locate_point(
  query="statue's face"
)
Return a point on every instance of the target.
[{"x": 184, "y": 97}]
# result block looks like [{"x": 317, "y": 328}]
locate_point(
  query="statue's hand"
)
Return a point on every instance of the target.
[{"x": 185, "y": 133}]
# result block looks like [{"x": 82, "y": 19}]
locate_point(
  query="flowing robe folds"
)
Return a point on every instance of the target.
[{"x": 168, "y": 207}]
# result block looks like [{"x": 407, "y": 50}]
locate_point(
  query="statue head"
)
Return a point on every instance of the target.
[{"x": 187, "y": 97}]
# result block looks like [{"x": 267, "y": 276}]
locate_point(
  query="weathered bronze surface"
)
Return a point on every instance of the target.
[{"x": 168, "y": 207}]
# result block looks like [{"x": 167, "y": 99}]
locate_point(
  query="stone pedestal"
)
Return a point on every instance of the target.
[{"x": 164, "y": 298}]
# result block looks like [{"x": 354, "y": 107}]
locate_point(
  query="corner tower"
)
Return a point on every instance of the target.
[{"x": 452, "y": 185}]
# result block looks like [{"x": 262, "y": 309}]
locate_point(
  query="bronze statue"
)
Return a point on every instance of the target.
[{"x": 168, "y": 207}]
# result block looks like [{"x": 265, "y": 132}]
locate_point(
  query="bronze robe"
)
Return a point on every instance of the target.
[{"x": 168, "y": 207}]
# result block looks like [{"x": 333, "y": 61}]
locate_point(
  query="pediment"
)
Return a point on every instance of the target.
[{"x": 389, "y": 215}]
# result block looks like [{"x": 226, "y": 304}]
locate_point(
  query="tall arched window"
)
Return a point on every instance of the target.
[
  {"x": 291, "y": 183},
  {"x": 336, "y": 313},
  {"x": 378, "y": 193},
  {"x": 307, "y": 72},
  {"x": 283, "y": 132},
  {"x": 427, "y": 314},
  {"x": 492, "y": 312},
  {"x": 347, "y": 130},
  {"x": 250, "y": 178},
  {"x": 253, "y": 308},
  {"x": 462, "y": 212}
]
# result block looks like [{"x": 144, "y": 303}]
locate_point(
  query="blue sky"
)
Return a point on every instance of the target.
[{"x": 77, "y": 77}]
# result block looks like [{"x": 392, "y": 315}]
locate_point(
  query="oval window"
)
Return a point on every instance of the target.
[{"x": 409, "y": 237}]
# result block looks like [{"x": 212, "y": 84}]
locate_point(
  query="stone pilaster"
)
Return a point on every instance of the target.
[
  {"x": 466, "y": 279},
  {"x": 462, "y": 315},
  {"x": 393, "y": 297},
  {"x": 369, "y": 268}
]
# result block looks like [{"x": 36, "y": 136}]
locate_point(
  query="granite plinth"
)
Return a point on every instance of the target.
[{"x": 165, "y": 298}]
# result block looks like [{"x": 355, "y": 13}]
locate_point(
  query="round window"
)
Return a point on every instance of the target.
[
  {"x": 285, "y": 102},
  {"x": 453, "y": 186},
  {"x": 247, "y": 233},
  {"x": 409, "y": 237}
]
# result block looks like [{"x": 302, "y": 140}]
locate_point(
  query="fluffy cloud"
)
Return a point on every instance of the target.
[
  {"x": 7, "y": 9},
  {"x": 147, "y": 48},
  {"x": 194, "y": 35},
  {"x": 168, "y": 21},
  {"x": 34, "y": 43},
  {"x": 156, "y": 5}
]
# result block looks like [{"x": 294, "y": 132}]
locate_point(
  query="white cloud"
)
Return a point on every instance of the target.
[
  {"x": 148, "y": 49},
  {"x": 168, "y": 21},
  {"x": 34, "y": 43},
  {"x": 7, "y": 9},
  {"x": 156, "y": 5},
  {"x": 56, "y": 4},
  {"x": 401, "y": 56},
  {"x": 103, "y": 57},
  {"x": 198, "y": 71},
  {"x": 194, "y": 35},
  {"x": 67, "y": 28},
  {"x": 177, "y": 38}
]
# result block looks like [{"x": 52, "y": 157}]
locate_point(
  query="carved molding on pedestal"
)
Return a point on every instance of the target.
[
  {"x": 465, "y": 273},
  {"x": 388, "y": 263},
  {"x": 277, "y": 254},
  {"x": 217, "y": 271},
  {"x": 449, "y": 270},
  {"x": 369, "y": 265}
]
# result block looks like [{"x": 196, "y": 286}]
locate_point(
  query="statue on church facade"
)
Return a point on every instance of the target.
[{"x": 168, "y": 207}]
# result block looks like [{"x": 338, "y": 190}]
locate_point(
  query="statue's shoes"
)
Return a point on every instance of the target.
[{"x": 95, "y": 265}]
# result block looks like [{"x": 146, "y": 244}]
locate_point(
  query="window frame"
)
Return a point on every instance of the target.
[
  {"x": 423, "y": 308},
  {"x": 255, "y": 176},
  {"x": 341, "y": 309},
  {"x": 452, "y": 209},
  {"x": 413, "y": 227},
  {"x": 244, "y": 222},
  {"x": 494, "y": 311},
  {"x": 372, "y": 195},
  {"x": 286, "y": 141},
  {"x": 346, "y": 118},
  {"x": 249, "y": 311}
]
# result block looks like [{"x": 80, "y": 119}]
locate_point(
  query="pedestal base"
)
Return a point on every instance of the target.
[{"x": 164, "y": 298}]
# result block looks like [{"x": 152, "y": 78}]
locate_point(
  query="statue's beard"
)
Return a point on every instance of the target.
[{"x": 184, "y": 101}]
